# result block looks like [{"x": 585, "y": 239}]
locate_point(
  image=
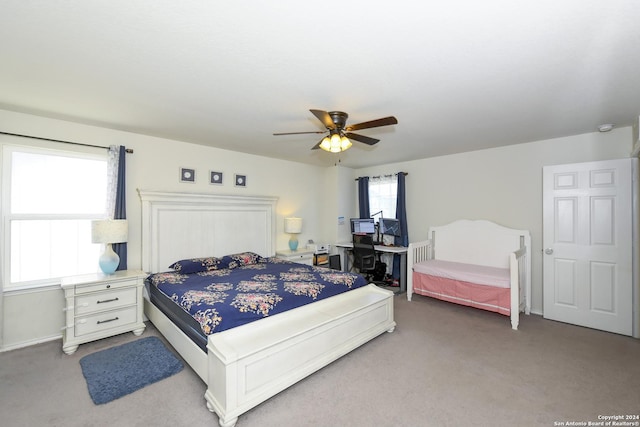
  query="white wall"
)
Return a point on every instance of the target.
[
  {"x": 154, "y": 165},
  {"x": 339, "y": 195},
  {"x": 503, "y": 185}
]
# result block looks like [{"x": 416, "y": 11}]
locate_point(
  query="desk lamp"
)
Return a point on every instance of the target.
[
  {"x": 293, "y": 226},
  {"x": 109, "y": 231}
]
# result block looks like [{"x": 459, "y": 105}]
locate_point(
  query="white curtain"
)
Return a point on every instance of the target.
[{"x": 112, "y": 180}]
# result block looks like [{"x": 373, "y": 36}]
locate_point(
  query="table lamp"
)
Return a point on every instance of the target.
[
  {"x": 293, "y": 226},
  {"x": 109, "y": 231}
]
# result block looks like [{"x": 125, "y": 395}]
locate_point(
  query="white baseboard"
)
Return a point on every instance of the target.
[{"x": 30, "y": 343}]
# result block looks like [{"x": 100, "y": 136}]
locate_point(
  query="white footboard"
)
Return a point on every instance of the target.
[
  {"x": 418, "y": 251},
  {"x": 247, "y": 364}
]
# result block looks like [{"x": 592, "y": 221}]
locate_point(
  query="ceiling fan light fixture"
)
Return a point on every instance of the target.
[
  {"x": 331, "y": 143},
  {"x": 326, "y": 144},
  {"x": 345, "y": 144},
  {"x": 335, "y": 123},
  {"x": 336, "y": 145}
]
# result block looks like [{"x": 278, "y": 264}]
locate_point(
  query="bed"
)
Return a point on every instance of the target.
[
  {"x": 242, "y": 366},
  {"x": 476, "y": 263}
]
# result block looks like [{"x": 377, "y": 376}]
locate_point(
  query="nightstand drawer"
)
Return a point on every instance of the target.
[
  {"x": 102, "y": 321},
  {"x": 100, "y": 301},
  {"x": 104, "y": 286},
  {"x": 303, "y": 256},
  {"x": 300, "y": 257}
]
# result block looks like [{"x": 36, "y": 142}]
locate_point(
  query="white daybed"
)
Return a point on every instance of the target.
[
  {"x": 246, "y": 365},
  {"x": 476, "y": 263}
]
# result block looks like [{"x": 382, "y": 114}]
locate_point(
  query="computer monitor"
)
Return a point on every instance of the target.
[
  {"x": 390, "y": 227},
  {"x": 363, "y": 225}
]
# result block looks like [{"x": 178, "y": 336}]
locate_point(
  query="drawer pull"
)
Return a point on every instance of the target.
[
  {"x": 106, "y": 321},
  {"x": 107, "y": 300}
]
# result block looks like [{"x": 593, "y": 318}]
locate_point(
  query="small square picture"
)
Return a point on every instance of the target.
[
  {"x": 215, "y": 177},
  {"x": 241, "y": 180},
  {"x": 187, "y": 175}
]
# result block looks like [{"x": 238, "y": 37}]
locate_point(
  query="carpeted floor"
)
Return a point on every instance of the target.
[{"x": 445, "y": 365}]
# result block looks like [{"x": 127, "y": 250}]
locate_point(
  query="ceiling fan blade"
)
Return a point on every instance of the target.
[
  {"x": 325, "y": 118},
  {"x": 298, "y": 133},
  {"x": 385, "y": 121},
  {"x": 361, "y": 138},
  {"x": 315, "y": 147}
]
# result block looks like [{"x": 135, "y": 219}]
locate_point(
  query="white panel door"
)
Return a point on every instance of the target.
[{"x": 587, "y": 244}]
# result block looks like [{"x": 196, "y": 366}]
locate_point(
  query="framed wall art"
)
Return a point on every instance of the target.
[
  {"x": 240, "y": 180},
  {"x": 187, "y": 175},
  {"x": 216, "y": 177}
]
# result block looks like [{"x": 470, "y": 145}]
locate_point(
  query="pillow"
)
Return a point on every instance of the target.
[
  {"x": 197, "y": 265},
  {"x": 242, "y": 258}
]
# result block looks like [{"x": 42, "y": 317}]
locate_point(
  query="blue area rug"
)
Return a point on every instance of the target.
[{"x": 121, "y": 370}]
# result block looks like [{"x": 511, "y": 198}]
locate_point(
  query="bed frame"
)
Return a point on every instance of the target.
[
  {"x": 485, "y": 243},
  {"x": 245, "y": 366}
]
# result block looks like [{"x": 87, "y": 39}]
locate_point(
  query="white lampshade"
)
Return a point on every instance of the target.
[
  {"x": 109, "y": 231},
  {"x": 293, "y": 225}
]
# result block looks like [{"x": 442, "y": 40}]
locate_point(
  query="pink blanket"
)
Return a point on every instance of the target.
[
  {"x": 478, "y": 274},
  {"x": 490, "y": 298}
]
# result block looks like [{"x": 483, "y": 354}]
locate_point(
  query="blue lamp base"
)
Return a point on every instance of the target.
[
  {"x": 293, "y": 243},
  {"x": 109, "y": 260}
]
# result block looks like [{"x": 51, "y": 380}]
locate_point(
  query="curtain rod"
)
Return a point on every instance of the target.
[
  {"x": 128, "y": 150},
  {"x": 403, "y": 173}
]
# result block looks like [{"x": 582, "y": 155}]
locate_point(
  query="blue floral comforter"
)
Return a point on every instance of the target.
[{"x": 222, "y": 293}]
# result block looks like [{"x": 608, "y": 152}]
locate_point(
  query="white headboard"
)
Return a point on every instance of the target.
[
  {"x": 176, "y": 226},
  {"x": 478, "y": 242}
]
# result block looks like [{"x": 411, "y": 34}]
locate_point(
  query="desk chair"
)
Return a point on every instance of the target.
[{"x": 365, "y": 259}]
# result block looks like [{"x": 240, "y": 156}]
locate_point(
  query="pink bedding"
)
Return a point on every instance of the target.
[
  {"x": 488, "y": 298},
  {"x": 479, "y": 274}
]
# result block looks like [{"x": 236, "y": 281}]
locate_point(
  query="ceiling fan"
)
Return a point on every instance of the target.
[{"x": 340, "y": 134}]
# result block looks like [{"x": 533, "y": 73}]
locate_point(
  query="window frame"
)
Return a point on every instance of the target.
[
  {"x": 6, "y": 152},
  {"x": 385, "y": 179}
]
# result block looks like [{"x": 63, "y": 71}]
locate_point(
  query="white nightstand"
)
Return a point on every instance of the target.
[
  {"x": 302, "y": 256},
  {"x": 100, "y": 306}
]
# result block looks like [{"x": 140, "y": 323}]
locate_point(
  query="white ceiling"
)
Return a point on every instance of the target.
[{"x": 459, "y": 75}]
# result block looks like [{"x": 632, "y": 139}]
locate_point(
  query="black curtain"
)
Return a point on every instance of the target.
[
  {"x": 401, "y": 215},
  {"x": 363, "y": 197},
  {"x": 121, "y": 207}
]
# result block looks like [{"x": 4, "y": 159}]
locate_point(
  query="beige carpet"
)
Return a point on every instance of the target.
[{"x": 444, "y": 365}]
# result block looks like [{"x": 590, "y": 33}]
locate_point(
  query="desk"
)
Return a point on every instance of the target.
[{"x": 400, "y": 250}]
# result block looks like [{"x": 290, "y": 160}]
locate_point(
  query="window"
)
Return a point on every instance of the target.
[
  {"x": 50, "y": 198},
  {"x": 383, "y": 192}
]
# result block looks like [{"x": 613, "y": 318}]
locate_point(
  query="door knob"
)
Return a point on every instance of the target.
[{"x": 548, "y": 251}]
